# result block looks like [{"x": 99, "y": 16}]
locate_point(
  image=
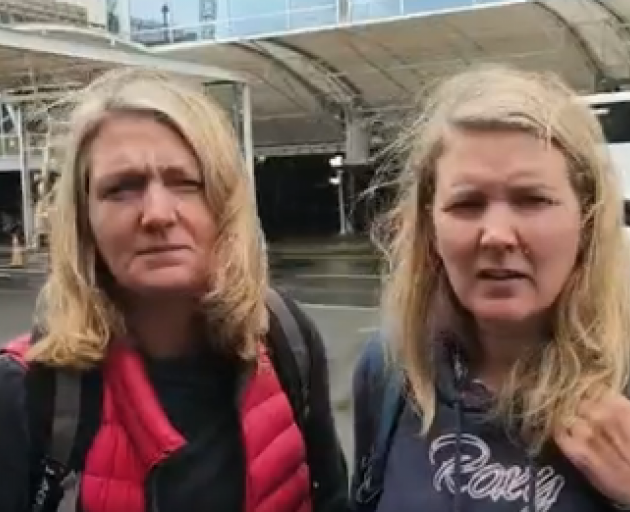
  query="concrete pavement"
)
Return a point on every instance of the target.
[{"x": 16, "y": 310}]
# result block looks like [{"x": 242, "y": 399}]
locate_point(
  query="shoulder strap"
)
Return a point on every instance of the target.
[
  {"x": 56, "y": 483},
  {"x": 388, "y": 385},
  {"x": 66, "y": 412},
  {"x": 294, "y": 338},
  {"x": 59, "y": 484}
]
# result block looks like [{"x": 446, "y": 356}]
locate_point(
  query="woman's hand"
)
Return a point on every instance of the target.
[{"x": 598, "y": 444}]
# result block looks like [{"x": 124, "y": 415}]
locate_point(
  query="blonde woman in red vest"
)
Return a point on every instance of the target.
[{"x": 156, "y": 378}]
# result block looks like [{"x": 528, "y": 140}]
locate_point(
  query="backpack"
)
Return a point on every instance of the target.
[
  {"x": 291, "y": 357},
  {"x": 57, "y": 490},
  {"x": 386, "y": 390}
]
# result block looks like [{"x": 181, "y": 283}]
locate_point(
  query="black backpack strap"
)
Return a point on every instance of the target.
[
  {"x": 64, "y": 431},
  {"x": 56, "y": 486},
  {"x": 387, "y": 391},
  {"x": 65, "y": 415},
  {"x": 299, "y": 356}
]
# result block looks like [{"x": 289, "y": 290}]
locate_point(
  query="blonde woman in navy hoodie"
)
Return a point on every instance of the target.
[{"x": 507, "y": 312}]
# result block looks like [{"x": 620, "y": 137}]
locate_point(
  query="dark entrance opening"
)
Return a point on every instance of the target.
[{"x": 10, "y": 205}]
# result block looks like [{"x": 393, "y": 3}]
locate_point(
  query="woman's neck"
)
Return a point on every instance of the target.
[
  {"x": 162, "y": 330},
  {"x": 501, "y": 347}
]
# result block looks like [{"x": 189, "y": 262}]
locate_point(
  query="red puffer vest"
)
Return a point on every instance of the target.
[{"x": 135, "y": 437}]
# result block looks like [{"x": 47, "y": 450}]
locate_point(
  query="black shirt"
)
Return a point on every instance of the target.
[{"x": 198, "y": 397}]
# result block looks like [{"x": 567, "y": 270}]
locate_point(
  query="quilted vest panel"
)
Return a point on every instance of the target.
[
  {"x": 277, "y": 474},
  {"x": 135, "y": 436}
]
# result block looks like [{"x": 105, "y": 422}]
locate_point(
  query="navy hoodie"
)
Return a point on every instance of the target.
[{"x": 467, "y": 462}]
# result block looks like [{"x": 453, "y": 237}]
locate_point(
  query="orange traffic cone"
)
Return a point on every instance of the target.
[{"x": 17, "y": 252}]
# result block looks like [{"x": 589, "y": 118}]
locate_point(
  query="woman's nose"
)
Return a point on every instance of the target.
[
  {"x": 159, "y": 206},
  {"x": 499, "y": 229}
]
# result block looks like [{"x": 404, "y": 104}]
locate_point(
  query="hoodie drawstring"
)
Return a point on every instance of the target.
[
  {"x": 457, "y": 501},
  {"x": 533, "y": 473},
  {"x": 459, "y": 431},
  {"x": 459, "y": 428}
]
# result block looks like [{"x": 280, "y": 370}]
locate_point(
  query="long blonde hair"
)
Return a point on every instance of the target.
[
  {"x": 590, "y": 351},
  {"x": 78, "y": 317}
]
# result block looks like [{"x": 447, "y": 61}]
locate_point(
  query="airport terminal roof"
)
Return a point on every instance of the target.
[
  {"x": 304, "y": 82},
  {"x": 39, "y": 60}
]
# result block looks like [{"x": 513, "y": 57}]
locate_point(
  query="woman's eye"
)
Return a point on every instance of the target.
[
  {"x": 186, "y": 185},
  {"x": 467, "y": 205},
  {"x": 534, "y": 201}
]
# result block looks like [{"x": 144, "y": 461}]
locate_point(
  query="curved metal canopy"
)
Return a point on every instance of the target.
[
  {"x": 41, "y": 57},
  {"x": 302, "y": 81}
]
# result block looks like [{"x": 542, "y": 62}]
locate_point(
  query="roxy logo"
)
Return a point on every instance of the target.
[{"x": 482, "y": 479}]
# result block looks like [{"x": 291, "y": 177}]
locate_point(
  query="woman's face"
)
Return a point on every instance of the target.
[
  {"x": 147, "y": 208},
  {"x": 507, "y": 223}
]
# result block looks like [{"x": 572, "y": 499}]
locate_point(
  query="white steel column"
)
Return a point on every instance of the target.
[
  {"x": 25, "y": 177},
  {"x": 248, "y": 136},
  {"x": 248, "y": 147},
  {"x": 124, "y": 18},
  {"x": 357, "y": 140},
  {"x": 341, "y": 201},
  {"x": 343, "y": 11}
]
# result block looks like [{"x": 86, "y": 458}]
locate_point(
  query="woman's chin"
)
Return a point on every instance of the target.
[
  {"x": 502, "y": 311},
  {"x": 168, "y": 282}
]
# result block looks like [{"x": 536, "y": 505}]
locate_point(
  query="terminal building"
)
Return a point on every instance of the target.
[{"x": 326, "y": 80}]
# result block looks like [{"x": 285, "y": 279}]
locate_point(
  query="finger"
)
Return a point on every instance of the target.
[
  {"x": 609, "y": 417},
  {"x": 589, "y": 450},
  {"x": 594, "y": 409},
  {"x": 597, "y": 413},
  {"x": 577, "y": 442},
  {"x": 563, "y": 440},
  {"x": 605, "y": 406},
  {"x": 571, "y": 448},
  {"x": 617, "y": 428}
]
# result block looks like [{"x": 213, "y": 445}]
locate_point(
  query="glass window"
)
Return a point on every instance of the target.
[
  {"x": 113, "y": 21},
  {"x": 145, "y": 12},
  {"x": 251, "y": 17},
  {"x": 169, "y": 21},
  {"x": 418, "y": 6},
  {"x": 362, "y": 10},
  {"x": 255, "y": 17},
  {"x": 311, "y": 13}
]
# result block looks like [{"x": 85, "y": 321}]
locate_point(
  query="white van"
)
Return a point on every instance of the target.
[{"x": 613, "y": 111}]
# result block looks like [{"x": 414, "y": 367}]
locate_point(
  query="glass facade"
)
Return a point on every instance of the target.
[
  {"x": 363, "y": 10},
  {"x": 159, "y": 22},
  {"x": 113, "y": 16},
  {"x": 163, "y": 22},
  {"x": 242, "y": 18}
]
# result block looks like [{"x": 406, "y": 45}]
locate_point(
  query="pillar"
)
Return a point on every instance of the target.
[
  {"x": 247, "y": 129},
  {"x": 357, "y": 141},
  {"x": 25, "y": 176},
  {"x": 119, "y": 17},
  {"x": 343, "y": 11},
  {"x": 357, "y": 147},
  {"x": 242, "y": 119}
]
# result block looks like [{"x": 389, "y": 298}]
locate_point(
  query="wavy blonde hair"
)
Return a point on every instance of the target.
[
  {"x": 590, "y": 350},
  {"x": 78, "y": 316}
]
